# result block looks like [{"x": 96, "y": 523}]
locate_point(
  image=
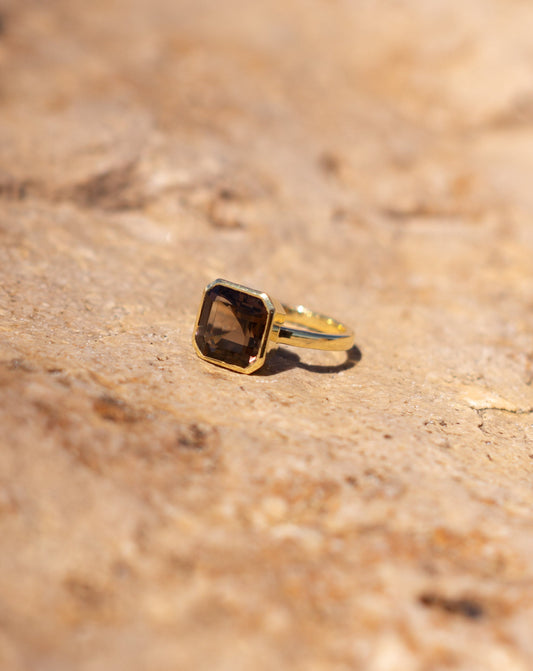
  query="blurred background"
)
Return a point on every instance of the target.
[{"x": 341, "y": 123}]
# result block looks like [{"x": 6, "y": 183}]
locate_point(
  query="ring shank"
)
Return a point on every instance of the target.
[{"x": 319, "y": 332}]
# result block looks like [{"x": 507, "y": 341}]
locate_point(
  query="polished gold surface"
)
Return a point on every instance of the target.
[
  {"x": 297, "y": 326},
  {"x": 319, "y": 332}
]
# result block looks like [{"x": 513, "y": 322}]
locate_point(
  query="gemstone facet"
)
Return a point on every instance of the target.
[{"x": 232, "y": 326}]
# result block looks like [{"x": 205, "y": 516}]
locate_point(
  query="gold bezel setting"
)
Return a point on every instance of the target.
[{"x": 271, "y": 308}]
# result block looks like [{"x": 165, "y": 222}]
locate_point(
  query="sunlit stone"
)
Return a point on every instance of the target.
[{"x": 231, "y": 326}]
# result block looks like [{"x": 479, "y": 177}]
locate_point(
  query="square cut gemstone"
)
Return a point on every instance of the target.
[{"x": 231, "y": 326}]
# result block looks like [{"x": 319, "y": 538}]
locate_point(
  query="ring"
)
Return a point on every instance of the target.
[{"x": 237, "y": 326}]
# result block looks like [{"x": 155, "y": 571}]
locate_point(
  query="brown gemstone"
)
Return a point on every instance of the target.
[{"x": 231, "y": 326}]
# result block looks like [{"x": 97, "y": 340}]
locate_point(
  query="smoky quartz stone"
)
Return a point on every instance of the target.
[{"x": 231, "y": 326}]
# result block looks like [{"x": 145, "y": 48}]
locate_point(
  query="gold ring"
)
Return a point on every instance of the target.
[{"x": 237, "y": 326}]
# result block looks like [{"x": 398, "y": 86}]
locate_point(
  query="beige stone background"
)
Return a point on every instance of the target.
[{"x": 370, "y": 159}]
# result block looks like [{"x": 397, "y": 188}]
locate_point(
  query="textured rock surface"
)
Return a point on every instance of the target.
[{"x": 373, "y": 160}]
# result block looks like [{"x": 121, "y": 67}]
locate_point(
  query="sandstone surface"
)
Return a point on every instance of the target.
[{"x": 372, "y": 160}]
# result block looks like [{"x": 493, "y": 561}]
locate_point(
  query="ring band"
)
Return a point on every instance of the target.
[{"x": 237, "y": 326}]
